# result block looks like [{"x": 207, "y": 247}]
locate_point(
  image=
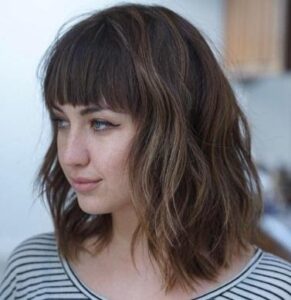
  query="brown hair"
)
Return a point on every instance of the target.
[{"x": 194, "y": 185}]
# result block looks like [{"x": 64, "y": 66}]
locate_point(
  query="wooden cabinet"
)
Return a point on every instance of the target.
[{"x": 257, "y": 37}]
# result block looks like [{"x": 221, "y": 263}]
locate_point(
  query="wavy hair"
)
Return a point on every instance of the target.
[{"x": 194, "y": 185}]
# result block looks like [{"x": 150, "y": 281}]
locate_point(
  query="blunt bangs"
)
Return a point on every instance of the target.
[{"x": 89, "y": 65}]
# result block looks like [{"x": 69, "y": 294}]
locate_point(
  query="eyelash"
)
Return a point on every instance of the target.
[
  {"x": 56, "y": 121},
  {"x": 108, "y": 125},
  {"x": 102, "y": 123}
]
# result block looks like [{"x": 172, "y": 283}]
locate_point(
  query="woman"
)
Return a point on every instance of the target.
[{"x": 149, "y": 177}]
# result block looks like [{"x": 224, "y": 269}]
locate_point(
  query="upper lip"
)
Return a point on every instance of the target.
[{"x": 81, "y": 180}]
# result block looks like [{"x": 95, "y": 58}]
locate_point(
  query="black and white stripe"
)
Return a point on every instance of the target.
[
  {"x": 35, "y": 271},
  {"x": 266, "y": 277}
]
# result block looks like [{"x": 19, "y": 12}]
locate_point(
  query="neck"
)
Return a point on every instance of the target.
[{"x": 125, "y": 223}]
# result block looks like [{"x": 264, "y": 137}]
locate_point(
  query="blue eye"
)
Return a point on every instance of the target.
[
  {"x": 100, "y": 125},
  {"x": 59, "y": 122}
]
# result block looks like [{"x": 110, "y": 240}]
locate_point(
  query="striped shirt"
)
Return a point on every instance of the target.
[{"x": 36, "y": 271}]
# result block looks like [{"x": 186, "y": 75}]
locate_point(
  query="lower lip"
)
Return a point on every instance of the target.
[{"x": 85, "y": 187}]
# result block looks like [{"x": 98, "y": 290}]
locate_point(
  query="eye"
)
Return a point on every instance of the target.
[
  {"x": 100, "y": 125},
  {"x": 59, "y": 122}
]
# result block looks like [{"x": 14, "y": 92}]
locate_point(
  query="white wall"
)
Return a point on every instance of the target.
[
  {"x": 269, "y": 112},
  {"x": 26, "y": 30}
]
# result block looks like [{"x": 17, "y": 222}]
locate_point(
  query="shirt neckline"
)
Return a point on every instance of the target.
[
  {"x": 78, "y": 283},
  {"x": 251, "y": 265},
  {"x": 206, "y": 296}
]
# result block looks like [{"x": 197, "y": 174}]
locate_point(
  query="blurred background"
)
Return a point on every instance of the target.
[{"x": 250, "y": 38}]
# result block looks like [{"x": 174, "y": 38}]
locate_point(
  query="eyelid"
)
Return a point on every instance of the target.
[
  {"x": 55, "y": 119},
  {"x": 56, "y": 115},
  {"x": 107, "y": 124}
]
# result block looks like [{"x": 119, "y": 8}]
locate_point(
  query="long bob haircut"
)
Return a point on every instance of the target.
[{"x": 194, "y": 185}]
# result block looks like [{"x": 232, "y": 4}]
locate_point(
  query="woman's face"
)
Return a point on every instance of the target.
[{"x": 93, "y": 146}]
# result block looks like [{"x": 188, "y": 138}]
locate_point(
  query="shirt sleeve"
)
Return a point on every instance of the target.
[{"x": 8, "y": 284}]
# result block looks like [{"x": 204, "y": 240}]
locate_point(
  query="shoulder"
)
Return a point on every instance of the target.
[
  {"x": 270, "y": 264},
  {"x": 34, "y": 258},
  {"x": 40, "y": 242},
  {"x": 266, "y": 276},
  {"x": 269, "y": 274},
  {"x": 41, "y": 248}
]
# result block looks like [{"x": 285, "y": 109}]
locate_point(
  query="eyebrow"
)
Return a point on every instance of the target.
[
  {"x": 83, "y": 112},
  {"x": 90, "y": 110}
]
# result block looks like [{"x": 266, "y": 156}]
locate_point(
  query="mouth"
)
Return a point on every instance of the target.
[{"x": 83, "y": 185}]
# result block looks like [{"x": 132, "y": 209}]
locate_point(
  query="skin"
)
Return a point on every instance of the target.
[{"x": 95, "y": 145}]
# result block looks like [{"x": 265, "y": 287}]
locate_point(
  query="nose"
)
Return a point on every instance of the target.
[{"x": 73, "y": 150}]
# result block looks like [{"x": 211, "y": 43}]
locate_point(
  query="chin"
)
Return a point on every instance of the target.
[
  {"x": 91, "y": 205},
  {"x": 94, "y": 205}
]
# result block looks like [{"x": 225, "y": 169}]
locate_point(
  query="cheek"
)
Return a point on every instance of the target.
[
  {"x": 112, "y": 161},
  {"x": 111, "y": 164}
]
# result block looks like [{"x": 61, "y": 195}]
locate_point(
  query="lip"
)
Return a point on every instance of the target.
[{"x": 84, "y": 185}]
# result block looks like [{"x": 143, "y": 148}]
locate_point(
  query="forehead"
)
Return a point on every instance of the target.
[
  {"x": 80, "y": 109},
  {"x": 84, "y": 110}
]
